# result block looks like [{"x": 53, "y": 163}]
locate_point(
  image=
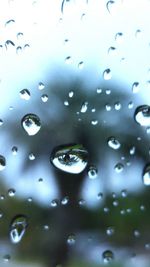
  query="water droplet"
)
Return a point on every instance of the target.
[
  {"x": 14, "y": 150},
  {"x": 65, "y": 200},
  {"x": 44, "y": 98},
  {"x": 9, "y": 22},
  {"x": 63, "y": 5},
  {"x": 138, "y": 33},
  {"x": 113, "y": 143},
  {"x": 132, "y": 150},
  {"x": 107, "y": 75},
  {"x": 31, "y": 156},
  {"x": 94, "y": 122},
  {"x": 46, "y": 227},
  {"x": 99, "y": 90},
  {"x": 26, "y": 47},
  {"x": 112, "y": 51},
  {"x": 41, "y": 86},
  {"x": 6, "y": 258},
  {"x": 82, "y": 202},
  {"x": 136, "y": 233},
  {"x": 108, "y": 91},
  {"x": 92, "y": 172},
  {"x": 70, "y": 158},
  {"x": 115, "y": 203},
  {"x": 68, "y": 60},
  {"x": 100, "y": 195},
  {"x": 119, "y": 37},
  {"x": 130, "y": 105},
  {"x": 146, "y": 175},
  {"x": 30, "y": 199},
  {"x": 71, "y": 94},
  {"x": 119, "y": 167},
  {"x": 66, "y": 103},
  {"x": 124, "y": 193},
  {"x": 109, "y": 5},
  {"x": 54, "y": 203},
  {"x": 2, "y": 162},
  {"x": 147, "y": 246},
  {"x": 142, "y": 115},
  {"x": 81, "y": 65},
  {"x": 110, "y": 231},
  {"x": 108, "y": 256},
  {"x": 84, "y": 107},
  {"x": 135, "y": 87},
  {"x": 18, "y": 50},
  {"x": 19, "y": 35},
  {"x": 31, "y": 124},
  {"x": 25, "y": 94},
  {"x": 106, "y": 209},
  {"x": 17, "y": 228},
  {"x": 1, "y": 122},
  {"x": 71, "y": 239},
  {"x": 11, "y": 192},
  {"x": 9, "y": 44},
  {"x": 40, "y": 180},
  {"x": 117, "y": 106},
  {"x": 108, "y": 107}
]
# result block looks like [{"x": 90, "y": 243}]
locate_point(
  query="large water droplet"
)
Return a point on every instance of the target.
[
  {"x": 31, "y": 124},
  {"x": 17, "y": 228},
  {"x": 2, "y": 162},
  {"x": 70, "y": 158},
  {"x": 113, "y": 143},
  {"x": 146, "y": 175},
  {"x": 142, "y": 115},
  {"x": 108, "y": 256}
]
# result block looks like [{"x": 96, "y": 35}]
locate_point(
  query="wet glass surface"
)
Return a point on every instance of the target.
[{"x": 74, "y": 133}]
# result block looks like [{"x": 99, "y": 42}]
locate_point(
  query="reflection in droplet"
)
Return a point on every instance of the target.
[
  {"x": 70, "y": 158},
  {"x": 31, "y": 124},
  {"x": 119, "y": 167},
  {"x": 17, "y": 228},
  {"x": 108, "y": 256},
  {"x": 2, "y": 162},
  {"x": 146, "y": 175},
  {"x": 25, "y": 94},
  {"x": 92, "y": 172},
  {"x": 113, "y": 143},
  {"x": 135, "y": 87},
  {"x": 84, "y": 107},
  {"x": 107, "y": 75},
  {"x": 142, "y": 115}
]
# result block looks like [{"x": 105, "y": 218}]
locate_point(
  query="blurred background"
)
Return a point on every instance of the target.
[{"x": 81, "y": 67}]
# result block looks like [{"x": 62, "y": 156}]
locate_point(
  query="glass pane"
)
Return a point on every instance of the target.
[{"x": 74, "y": 133}]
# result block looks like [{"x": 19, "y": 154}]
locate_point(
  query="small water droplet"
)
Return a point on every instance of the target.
[
  {"x": 6, "y": 258},
  {"x": 117, "y": 106},
  {"x": 65, "y": 200},
  {"x": 136, "y": 233},
  {"x": 14, "y": 150},
  {"x": 92, "y": 172},
  {"x": 41, "y": 86},
  {"x": 113, "y": 143},
  {"x": 99, "y": 90},
  {"x": 82, "y": 202},
  {"x": 70, "y": 158},
  {"x": 40, "y": 180},
  {"x": 142, "y": 115},
  {"x": 54, "y": 203},
  {"x": 146, "y": 175},
  {"x": 18, "y": 50},
  {"x": 109, "y": 5},
  {"x": 1, "y": 122},
  {"x": 17, "y": 228},
  {"x": 44, "y": 98},
  {"x": 108, "y": 107},
  {"x": 71, "y": 239},
  {"x": 135, "y": 87},
  {"x": 31, "y": 124},
  {"x": 108, "y": 91},
  {"x": 66, "y": 103},
  {"x": 138, "y": 33},
  {"x": 81, "y": 65},
  {"x": 112, "y": 51},
  {"x": 9, "y": 22},
  {"x": 31, "y": 156},
  {"x": 26, "y": 47},
  {"x": 2, "y": 162},
  {"x": 30, "y": 199},
  {"x": 108, "y": 256},
  {"x": 25, "y": 94},
  {"x": 71, "y": 94},
  {"x": 132, "y": 150},
  {"x": 68, "y": 60},
  {"x": 9, "y": 44},
  {"x": 124, "y": 193},
  {"x": 119, "y": 167},
  {"x": 115, "y": 203},
  {"x": 46, "y": 227},
  {"x": 106, "y": 209},
  {"x": 19, "y": 35},
  {"x": 94, "y": 122},
  {"x": 147, "y": 246},
  {"x": 107, "y": 75},
  {"x": 84, "y": 107},
  {"x": 130, "y": 105},
  {"x": 119, "y": 37},
  {"x": 100, "y": 195},
  {"x": 110, "y": 231},
  {"x": 11, "y": 192}
]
